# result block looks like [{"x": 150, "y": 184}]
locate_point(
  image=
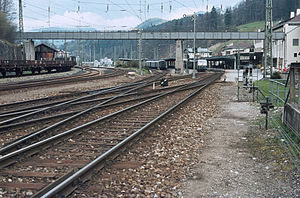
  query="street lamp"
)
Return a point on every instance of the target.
[{"x": 194, "y": 64}]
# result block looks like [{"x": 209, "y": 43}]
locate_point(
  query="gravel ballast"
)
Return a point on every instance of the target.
[{"x": 197, "y": 151}]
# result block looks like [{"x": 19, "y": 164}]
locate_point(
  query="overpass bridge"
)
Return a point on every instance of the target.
[{"x": 135, "y": 35}]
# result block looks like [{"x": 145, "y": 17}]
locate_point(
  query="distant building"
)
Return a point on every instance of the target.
[
  {"x": 285, "y": 51},
  {"x": 246, "y": 51},
  {"x": 201, "y": 53},
  {"x": 235, "y": 48},
  {"x": 44, "y": 52}
]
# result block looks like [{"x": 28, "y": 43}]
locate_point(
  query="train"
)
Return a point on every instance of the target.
[
  {"x": 201, "y": 64},
  {"x": 161, "y": 64},
  {"x": 36, "y": 66}
]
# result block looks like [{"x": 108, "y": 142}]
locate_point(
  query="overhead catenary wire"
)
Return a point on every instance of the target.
[{"x": 126, "y": 6}]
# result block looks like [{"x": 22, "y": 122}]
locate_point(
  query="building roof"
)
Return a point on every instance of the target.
[
  {"x": 239, "y": 45},
  {"x": 290, "y": 20}
]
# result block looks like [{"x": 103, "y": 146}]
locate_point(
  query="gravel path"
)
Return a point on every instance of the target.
[{"x": 227, "y": 166}]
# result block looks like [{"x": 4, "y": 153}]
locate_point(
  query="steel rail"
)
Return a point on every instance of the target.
[
  {"x": 44, "y": 130},
  {"x": 55, "y": 106},
  {"x": 2, "y": 128},
  {"x": 6, "y": 87},
  {"x": 38, "y": 107},
  {"x": 8, "y": 158},
  {"x": 91, "y": 93},
  {"x": 81, "y": 175},
  {"x": 30, "y": 109}
]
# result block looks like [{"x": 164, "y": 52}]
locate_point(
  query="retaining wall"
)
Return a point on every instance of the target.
[{"x": 291, "y": 118}]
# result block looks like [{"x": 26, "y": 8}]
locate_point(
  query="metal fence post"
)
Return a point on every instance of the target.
[
  {"x": 272, "y": 92},
  {"x": 285, "y": 93},
  {"x": 277, "y": 95}
]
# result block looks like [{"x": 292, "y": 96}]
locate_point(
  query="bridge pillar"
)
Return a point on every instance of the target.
[
  {"x": 234, "y": 63},
  {"x": 179, "y": 56}
]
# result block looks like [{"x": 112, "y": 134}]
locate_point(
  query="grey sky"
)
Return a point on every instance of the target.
[{"x": 109, "y": 14}]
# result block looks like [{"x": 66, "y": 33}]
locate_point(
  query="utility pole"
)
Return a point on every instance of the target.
[
  {"x": 65, "y": 49},
  {"x": 140, "y": 51},
  {"x": 80, "y": 50},
  {"x": 194, "y": 64},
  {"x": 268, "y": 57},
  {"x": 21, "y": 27},
  {"x": 49, "y": 15}
]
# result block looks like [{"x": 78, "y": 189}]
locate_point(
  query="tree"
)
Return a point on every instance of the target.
[
  {"x": 228, "y": 18},
  {"x": 6, "y": 6},
  {"x": 214, "y": 19},
  {"x": 7, "y": 28}
]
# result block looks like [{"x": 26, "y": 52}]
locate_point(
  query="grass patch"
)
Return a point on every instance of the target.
[
  {"x": 265, "y": 87},
  {"x": 144, "y": 71},
  {"x": 251, "y": 27},
  {"x": 268, "y": 147}
]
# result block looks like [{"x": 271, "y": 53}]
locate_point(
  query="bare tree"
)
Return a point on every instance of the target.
[
  {"x": 7, "y": 28},
  {"x": 7, "y": 7}
]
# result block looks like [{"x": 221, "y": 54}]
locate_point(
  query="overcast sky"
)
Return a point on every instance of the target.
[{"x": 109, "y": 14}]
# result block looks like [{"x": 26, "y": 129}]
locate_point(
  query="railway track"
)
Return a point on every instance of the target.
[
  {"x": 90, "y": 75},
  {"x": 18, "y": 110},
  {"x": 57, "y": 165},
  {"x": 53, "y": 126},
  {"x": 49, "y": 123}
]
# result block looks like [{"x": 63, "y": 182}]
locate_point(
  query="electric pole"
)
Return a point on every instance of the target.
[
  {"x": 140, "y": 51},
  {"x": 194, "y": 64},
  {"x": 21, "y": 27},
  {"x": 49, "y": 15},
  {"x": 268, "y": 57}
]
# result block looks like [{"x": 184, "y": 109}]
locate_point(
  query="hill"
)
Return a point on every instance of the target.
[{"x": 150, "y": 23}]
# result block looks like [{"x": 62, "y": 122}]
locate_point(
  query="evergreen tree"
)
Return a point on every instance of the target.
[
  {"x": 213, "y": 19},
  {"x": 228, "y": 18}
]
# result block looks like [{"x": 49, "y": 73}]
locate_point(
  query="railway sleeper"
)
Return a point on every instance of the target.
[{"x": 52, "y": 185}]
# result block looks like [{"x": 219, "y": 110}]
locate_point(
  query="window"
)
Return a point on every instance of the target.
[
  {"x": 295, "y": 42},
  {"x": 295, "y": 54}
]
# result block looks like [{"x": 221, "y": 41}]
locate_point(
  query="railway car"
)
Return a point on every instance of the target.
[
  {"x": 162, "y": 65},
  {"x": 21, "y": 66}
]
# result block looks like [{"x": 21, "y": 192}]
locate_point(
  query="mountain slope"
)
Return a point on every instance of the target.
[{"x": 150, "y": 22}]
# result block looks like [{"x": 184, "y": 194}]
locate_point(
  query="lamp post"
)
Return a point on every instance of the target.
[{"x": 194, "y": 64}]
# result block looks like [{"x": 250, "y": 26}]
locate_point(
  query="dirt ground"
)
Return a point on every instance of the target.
[{"x": 230, "y": 164}]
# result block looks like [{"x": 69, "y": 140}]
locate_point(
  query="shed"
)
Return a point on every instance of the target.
[{"x": 44, "y": 52}]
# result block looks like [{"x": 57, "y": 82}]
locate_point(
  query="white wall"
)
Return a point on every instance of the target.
[
  {"x": 29, "y": 49},
  {"x": 292, "y": 32}
]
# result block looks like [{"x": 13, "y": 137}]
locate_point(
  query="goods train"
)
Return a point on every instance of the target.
[{"x": 20, "y": 66}]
